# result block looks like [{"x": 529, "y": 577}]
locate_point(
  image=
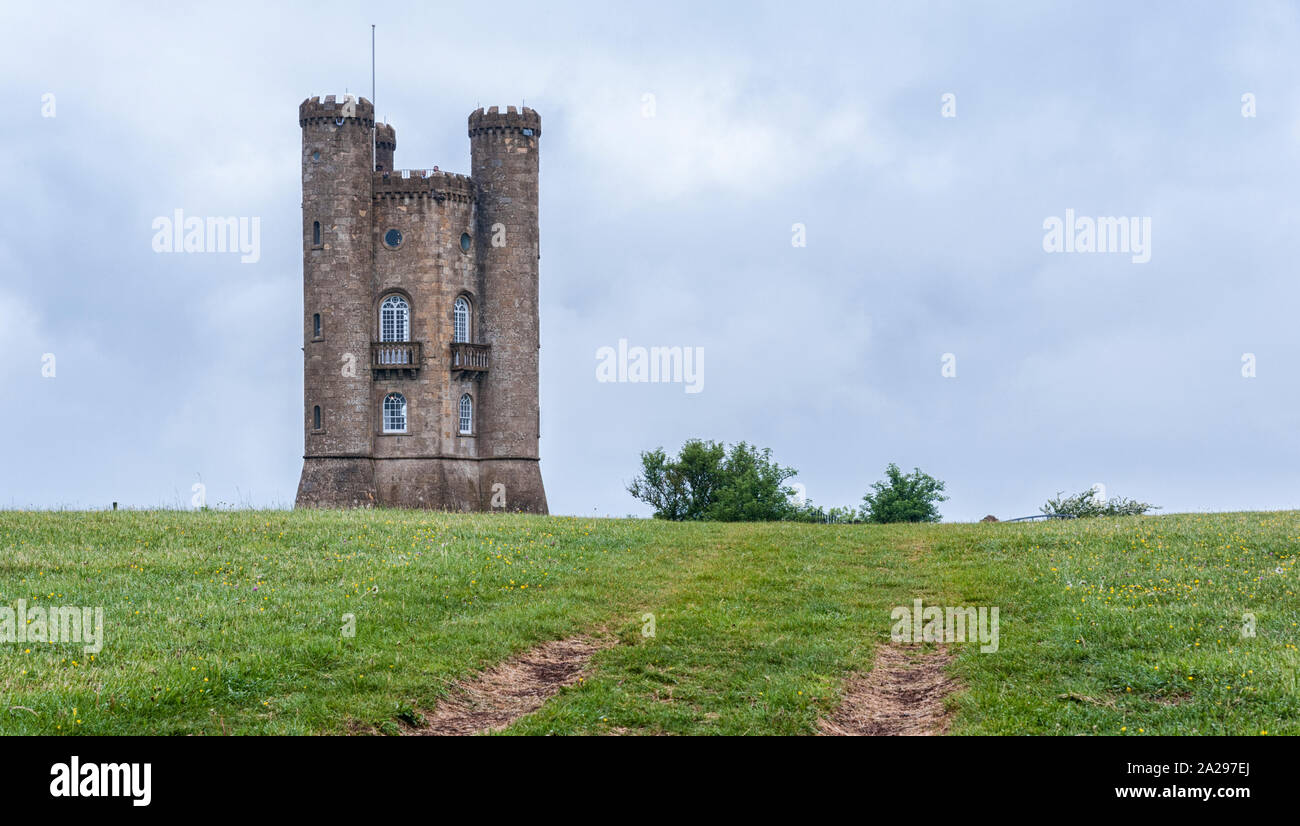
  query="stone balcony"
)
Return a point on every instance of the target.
[
  {"x": 407, "y": 356},
  {"x": 470, "y": 358}
]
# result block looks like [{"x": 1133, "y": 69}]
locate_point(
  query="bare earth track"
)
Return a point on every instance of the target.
[
  {"x": 497, "y": 697},
  {"x": 902, "y": 695}
]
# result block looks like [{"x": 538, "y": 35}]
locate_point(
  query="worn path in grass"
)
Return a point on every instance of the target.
[
  {"x": 501, "y": 695},
  {"x": 903, "y": 694},
  {"x": 757, "y": 641}
]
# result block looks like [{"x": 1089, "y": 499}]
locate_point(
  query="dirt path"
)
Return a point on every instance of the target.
[
  {"x": 901, "y": 695},
  {"x": 497, "y": 697}
]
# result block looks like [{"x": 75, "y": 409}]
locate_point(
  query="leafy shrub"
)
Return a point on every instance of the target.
[
  {"x": 903, "y": 497},
  {"x": 708, "y": 482},
  {"x": 1089, "y": 504}
]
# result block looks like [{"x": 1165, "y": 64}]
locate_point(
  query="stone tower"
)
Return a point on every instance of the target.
[{"x": 420, "y": 311}]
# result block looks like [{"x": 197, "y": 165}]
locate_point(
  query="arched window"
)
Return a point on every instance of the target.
[
  {"x": 395, "y": 319},
  {"x": 466, "y": 414},
  {"x": 394, "y": 413},
  {"x": 460, "y": 317},
  {"x": 315, "y": 233},
  {"x": 315, "y": 418}
]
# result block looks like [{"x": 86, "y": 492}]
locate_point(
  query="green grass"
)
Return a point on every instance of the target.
[{"x": 230, "y": 622}]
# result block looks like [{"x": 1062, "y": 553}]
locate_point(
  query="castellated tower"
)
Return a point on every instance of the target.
[{"x": 420, "y": 306}]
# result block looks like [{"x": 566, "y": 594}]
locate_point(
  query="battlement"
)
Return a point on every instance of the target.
[
  {"x": 385, "y": 136},
  {"x": 512, "y": 120},
  {"x": 330, "y": 109},
  {"x": 425, "y": 183}
]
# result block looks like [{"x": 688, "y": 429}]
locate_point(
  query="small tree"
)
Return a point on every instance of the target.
[
  {"x": 753, "y": 488},
  {"x": 1089, "y": 503},
  {"x": 706, "y": 481},
  {"x": 903, "y": 497}
]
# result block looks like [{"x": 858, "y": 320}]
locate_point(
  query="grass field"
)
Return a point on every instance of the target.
[{"x": 231, "y": 622}]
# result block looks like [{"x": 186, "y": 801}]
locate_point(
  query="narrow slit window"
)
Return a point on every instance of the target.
[
  {"x": 466, "y": 414},
  {"x": 315, "y": 418},
  {"x": 315, "y": 233},
  {"x": 315, "y": 326}
]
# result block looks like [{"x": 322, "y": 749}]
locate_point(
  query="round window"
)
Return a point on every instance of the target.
[
  {"x": 315, "y": 156},
  {"x": 464, "y": 242},
  {"x": 393, "y": 238}
]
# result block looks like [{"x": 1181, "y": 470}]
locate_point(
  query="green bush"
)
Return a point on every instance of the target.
[
  {"x": 903, "y": 497},
  {"x": 1089, "y": 504},
  {"x": 708, "y": 482}
]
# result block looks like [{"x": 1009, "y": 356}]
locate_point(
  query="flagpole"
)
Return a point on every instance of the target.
[{"x": 374, "y": 151}]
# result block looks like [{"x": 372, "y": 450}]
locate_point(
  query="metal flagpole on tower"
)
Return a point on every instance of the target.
[{"x": 374, "y": 151}]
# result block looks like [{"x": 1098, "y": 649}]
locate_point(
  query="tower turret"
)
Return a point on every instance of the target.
[
  {"x": 504, "y": 166},
  {"x": 338, "y": 273},
  {"x": 385, "y": 143}
]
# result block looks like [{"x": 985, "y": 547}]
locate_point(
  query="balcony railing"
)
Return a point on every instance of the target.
[
  {"x": 396, "y": 355},
  {"x": 470, "y": 357}
]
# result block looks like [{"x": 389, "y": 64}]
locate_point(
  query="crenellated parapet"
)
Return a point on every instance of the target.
[
  {"x": 315, "y": 110},
  {"x": 493, "y": 121},
  {"x": 424, "y": 183},
  {"x": 385, "y": 137}
]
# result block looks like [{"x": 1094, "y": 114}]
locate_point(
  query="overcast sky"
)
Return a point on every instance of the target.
[{"x": 668, "y": 221}]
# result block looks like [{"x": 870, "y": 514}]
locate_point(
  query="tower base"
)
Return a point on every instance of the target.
[
  {"x": 447, "y": 484},
  {"x": 329, "y": 482},
  {"x": 512, "y": 485}
]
